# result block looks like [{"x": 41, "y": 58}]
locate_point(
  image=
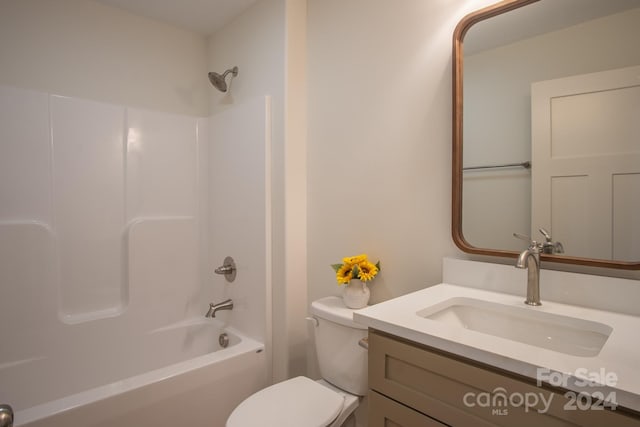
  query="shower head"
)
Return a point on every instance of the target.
[{"x": 218, "y": 80}]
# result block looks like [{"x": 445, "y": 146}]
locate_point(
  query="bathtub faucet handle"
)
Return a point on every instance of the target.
[
  {"x": 227, "y": 269},
  {"x": 6, "y": 416}
]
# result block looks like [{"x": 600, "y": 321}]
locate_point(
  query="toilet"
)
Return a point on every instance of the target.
[{"x": 329, "y": 402}]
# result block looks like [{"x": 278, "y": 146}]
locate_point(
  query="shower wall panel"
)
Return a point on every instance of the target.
[
  {"x": 88, "y": 189},
  {"x": 161, "y": 165},
  {"x": 240, "y": 206},
  {"x": 24, "y": 156},
  {"x": 99, "y": 204},
  {"x": 29, "y": 292}
]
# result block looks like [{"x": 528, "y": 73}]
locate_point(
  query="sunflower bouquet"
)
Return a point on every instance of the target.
[{"x": 356, "y": 267}]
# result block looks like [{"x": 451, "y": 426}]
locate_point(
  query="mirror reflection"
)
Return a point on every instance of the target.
[{"x": 551, "y": 129}]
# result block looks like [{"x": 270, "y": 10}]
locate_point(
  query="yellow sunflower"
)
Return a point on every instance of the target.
[
  {"x": 344, "y": 274},
  {"x": 353, "y": 260},
  {"x": 367, "y": 271}
]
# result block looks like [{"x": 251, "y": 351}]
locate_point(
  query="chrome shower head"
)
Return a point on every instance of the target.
[{"x": 218, "y": 80}]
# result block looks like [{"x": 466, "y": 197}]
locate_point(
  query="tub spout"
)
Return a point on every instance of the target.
[
  {"x": 210, "y": 312},
  {"x": 213, "y": 308}
]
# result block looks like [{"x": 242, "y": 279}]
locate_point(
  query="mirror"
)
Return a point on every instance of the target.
[{"x": 546, "y": 130}]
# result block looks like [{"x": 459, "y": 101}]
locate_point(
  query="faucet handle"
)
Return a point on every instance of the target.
[
  {"x": 532, "y": 243},
  {"x": 549, "y": 246},
  {"x": 227, "y": 269},
  {"x": 546, "y": 234}
]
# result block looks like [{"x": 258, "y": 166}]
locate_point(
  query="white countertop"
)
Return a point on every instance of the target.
[{"x": 620, "y": 355}]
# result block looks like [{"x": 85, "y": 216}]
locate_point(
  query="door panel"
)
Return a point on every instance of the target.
[{"x": 586, "y": 159}]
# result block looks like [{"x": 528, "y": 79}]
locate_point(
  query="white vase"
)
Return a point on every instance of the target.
[{"x": 356, "y": 294}]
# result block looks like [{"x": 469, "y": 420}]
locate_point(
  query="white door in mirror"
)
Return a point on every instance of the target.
[{"x": 586, "y": 162}]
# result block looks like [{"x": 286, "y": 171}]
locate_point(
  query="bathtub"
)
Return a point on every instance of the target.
[{"x": 176, "y": 375}]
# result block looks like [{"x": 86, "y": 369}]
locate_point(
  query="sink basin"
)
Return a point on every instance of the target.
[{"x": 569, "y": 335}]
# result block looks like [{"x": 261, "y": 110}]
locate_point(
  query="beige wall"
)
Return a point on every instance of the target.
[
  {"x": 380, "y": 139},
  {"x": 379, "y": 142},
  {"x": 85, "y": 49},
  {"x": 254, "y": 41}
]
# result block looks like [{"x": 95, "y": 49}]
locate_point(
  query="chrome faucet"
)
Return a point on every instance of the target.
[
  {"x": 224, "y": 305},
  {"x": 530, "y": 259}
]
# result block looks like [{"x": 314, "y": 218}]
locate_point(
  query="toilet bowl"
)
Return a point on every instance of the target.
[
  {"x": 329, "y": 402},
  {"x": 298, "y": 402}
]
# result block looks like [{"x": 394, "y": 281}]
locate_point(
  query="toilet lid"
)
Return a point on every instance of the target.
[{"x": 293, "y": 403}]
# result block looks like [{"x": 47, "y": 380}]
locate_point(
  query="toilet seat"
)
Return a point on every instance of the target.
[{"x": 296, "y": 402}]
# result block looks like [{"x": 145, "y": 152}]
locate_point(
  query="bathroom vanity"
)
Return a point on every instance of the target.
[
  {"x": 414, "y": 385},
  {"x": 470, "y": 352}
]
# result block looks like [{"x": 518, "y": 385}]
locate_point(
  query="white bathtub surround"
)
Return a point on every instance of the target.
[
  {"x": 608, "y": 301},
  {"x": 89, "y": 181},
  {"x": 107, "y": 246},
  {"x": 240, "y": 206}
]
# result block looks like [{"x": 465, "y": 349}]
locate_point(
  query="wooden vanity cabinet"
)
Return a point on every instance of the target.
[{"x": 412, "y": 385}]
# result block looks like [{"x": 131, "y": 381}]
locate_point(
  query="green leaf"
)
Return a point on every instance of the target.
[
  {"x": 356, "y": 271},
  {"x": 336, "y": 267},
  {"x": 378, "y": 265}
]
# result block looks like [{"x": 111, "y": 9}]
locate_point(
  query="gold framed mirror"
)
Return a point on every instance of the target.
[{"x": 537, "y": 76}]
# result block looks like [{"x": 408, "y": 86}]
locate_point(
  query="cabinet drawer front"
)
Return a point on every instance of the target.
[
  {"x": 460, "y": 393},
  {"x": 385, "y": 412}
]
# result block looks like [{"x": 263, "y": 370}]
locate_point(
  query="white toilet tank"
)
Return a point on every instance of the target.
[{"x": 342, "y": 361}]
